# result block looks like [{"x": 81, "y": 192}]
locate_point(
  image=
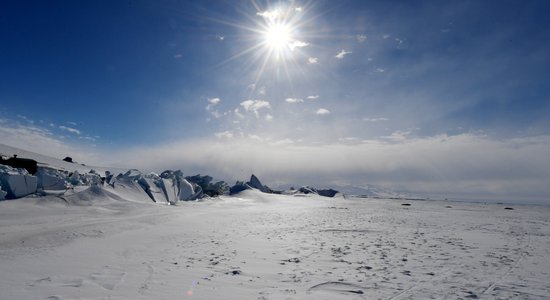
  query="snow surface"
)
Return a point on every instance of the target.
[
  {"x": 108, "y": 243},
  {"x": 121, "y": 240}
]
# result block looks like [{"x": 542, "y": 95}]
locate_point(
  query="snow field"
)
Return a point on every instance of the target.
[{"x": 263, "y": 246}]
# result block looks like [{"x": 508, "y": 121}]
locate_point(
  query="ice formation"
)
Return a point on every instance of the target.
[
  {"x": 51, "y": 179},
  {"x": 17, "y": 182}
]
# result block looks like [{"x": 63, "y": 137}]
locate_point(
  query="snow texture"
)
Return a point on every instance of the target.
[{"x": 102, "y": 242}]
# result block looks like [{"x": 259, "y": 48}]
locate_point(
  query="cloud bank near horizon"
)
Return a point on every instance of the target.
[{"x": 464, "y": 164}]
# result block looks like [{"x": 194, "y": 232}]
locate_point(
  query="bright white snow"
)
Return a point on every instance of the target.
[{"x": 102, "y": 242}]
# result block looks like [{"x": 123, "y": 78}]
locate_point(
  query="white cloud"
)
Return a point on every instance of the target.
[
  {"x": 224, "y": 135},
  {"x": 322, "y": 112},
  {"x": 375, "y": 119},
  {"x": 313, "y": 97},
  {"x": 298, "y": 9},
  {"x": 268, "y": 117},
  {"x": 294, "y": 100},
  {"x": 386, "y": 36},
  {"x": 220, "y": 37},
  {"x": 255, "y": 106},
  {"x": 361, "y": 38},
  {"x": 178, "y": 56},
  {"x": 379, "y": 70},
  {"x": 70, "y": 129},
  {"x": 342, "y": 53},
  {"x": 212, "y": 102},
  {"x": 297, "y": 44},
  {"x": 72, "y": 123},
  {"x": 312, "y": 60},
  {"x": 270, "y": 15}
]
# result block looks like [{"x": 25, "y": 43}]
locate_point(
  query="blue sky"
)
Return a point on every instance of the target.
[{"x": 351, "y": 91}]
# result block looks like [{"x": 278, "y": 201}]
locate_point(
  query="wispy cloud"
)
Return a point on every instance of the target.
[
  {"x": 322, "y": 112},
  {"x": 361, "y": 38},
  {"x": 24, "y": 118},
  {"x": 375, "y": 119},
  {"x": 70, "y": 129},
  {"x": 224, "y": 135},
  {"x": 342, "y": 54},
  {"x": 398, "y": 136},
  {"x": 312, "y": 60},
  {"x": 270, "y": 15},
  {"x": 255, "y": 106},
  {"x": 212, "y": 102},
  {"x": 178, "y": 55},
  {"x": 379, "y": 70},
  {"x": 298, "y": 9},
  {"x": 268, "y": 117},
  {"x": 294, "y": 100},
  {"x": 313, "y": 97}
]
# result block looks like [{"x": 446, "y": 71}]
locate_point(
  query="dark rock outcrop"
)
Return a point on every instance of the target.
[
  {"x": 22, "y": 163},
  {"x": 238, "y": 187},
  {"x": 257, "y": 184},
  {"x": 327, "y": 193}
]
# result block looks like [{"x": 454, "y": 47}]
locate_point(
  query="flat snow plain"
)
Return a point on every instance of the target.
[{"x": 97, "y": 244}]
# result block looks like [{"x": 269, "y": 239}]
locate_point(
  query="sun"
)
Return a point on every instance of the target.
[{"x": 278, "y": 37}]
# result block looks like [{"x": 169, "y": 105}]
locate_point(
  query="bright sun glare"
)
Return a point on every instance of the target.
[
  {"x": 277, "y": 40},
  {"x": 278, "y": 36}
]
